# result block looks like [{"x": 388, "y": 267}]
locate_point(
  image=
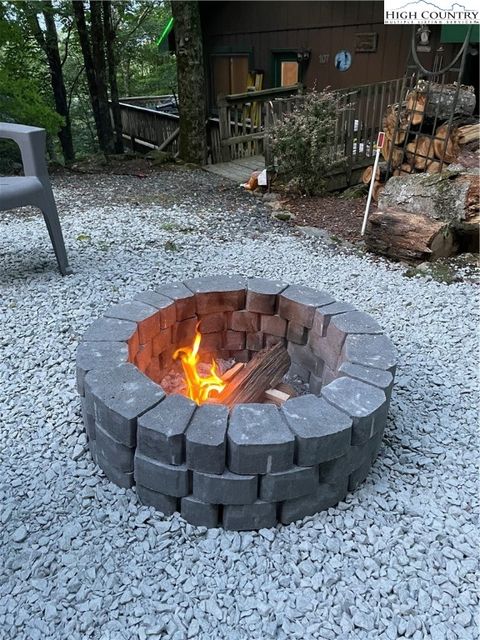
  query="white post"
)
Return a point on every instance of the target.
[{"x": 380, "y": 140}]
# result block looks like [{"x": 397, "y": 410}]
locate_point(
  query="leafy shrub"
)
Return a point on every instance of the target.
[{"x": 302, "y": 143}]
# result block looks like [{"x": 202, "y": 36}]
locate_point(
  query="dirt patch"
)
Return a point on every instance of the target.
[{"x": 340, "y": 217}]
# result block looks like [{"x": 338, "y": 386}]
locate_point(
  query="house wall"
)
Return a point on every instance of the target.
[{"x": 259, "y": 29}]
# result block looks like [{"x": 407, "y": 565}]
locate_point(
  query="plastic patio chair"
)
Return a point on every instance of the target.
[{"x": 34, "y": 187}]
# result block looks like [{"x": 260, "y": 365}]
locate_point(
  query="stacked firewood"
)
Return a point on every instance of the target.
[{"x": 418, "y": 137}]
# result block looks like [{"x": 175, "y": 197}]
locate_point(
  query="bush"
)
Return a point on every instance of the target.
[{"x": 302, "y": 143}]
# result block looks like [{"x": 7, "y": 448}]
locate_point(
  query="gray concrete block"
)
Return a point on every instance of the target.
[
  {"x": 298, "y": 371},
  {"x": 166, "y": 307},
  {"x": 376, "y": 377},
  {"x": 304, "y": 356},
  {"x": 159, "y": 501},
  {"x": 183, "y": 332},
  {"x": 115, "y": 452},
  {"x": 161, "y": 430},
  {"x": 198, "y": 513},
  {"x": 244, "y": 321},
  {"x": 359, "y": 400},
  {"x": 234, "y": 340},
  {"x": 98, "y": 355},
  {"x": 227, "y": 488},
  {"x": 358, "y": 475},
  {"x": 88, "y": 419},
  {"x": 110, "y": 330},
  {"x": 182, "y": 296},
  {"x": 119, "y": 396},
  {"x": 123, "y": 479},
  {"x": 336, "y": 471},
  {"x": 254, "y": 341},
  {"x": 212, "y": 342},
  {"x": 217, "y": 293},
  {"x": 297, "y": 333},
  {"x": 170, "y": 480},
  {"x": 324, "y": 349},
  {"x": 324, "y": 497},
  {"x": 146, "y": 317},
  {"x": 351, "y": 322},
  {"x": 315, "y": 384},
  {"x": 322, "y": 432},
  {"x": 274, "y": 325},
  {"x": 262, "y": 295},
  {"x": 212, "y": 323},
  {"x": 162, "y": 341},
  {"x": 92, "y": 446},
  {"x": 271, "y": 341},
  {"x": 259, "y": 515},
  {"x": 371, "y": 351},
  {"x": 259, "y": 440},
  {"x": 206, "y": 439},
  {"x": 298, "y": 303},
  {"x": 323, "y": 315},
  {"x": 296, "y": 482},
  {"x": 328, "y": 375}
]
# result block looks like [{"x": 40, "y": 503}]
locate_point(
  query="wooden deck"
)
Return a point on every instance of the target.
[{"x": 238, "y": 170}]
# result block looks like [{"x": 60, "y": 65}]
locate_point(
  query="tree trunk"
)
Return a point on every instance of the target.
[
  {"x": 112, "y": 73},
  {"x": 95, "y": 69},
  {"x": 450, "y": 196},
  {"x": 79, "y": 13},
  {"x": 408, "y": 236},
  {"x": 100, "y": 66},
  {"x": 191, "y": 81},
  {"x": 48, "y": 42}
]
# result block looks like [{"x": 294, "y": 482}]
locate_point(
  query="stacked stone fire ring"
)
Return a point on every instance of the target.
[{"x": 258, "y": 464}]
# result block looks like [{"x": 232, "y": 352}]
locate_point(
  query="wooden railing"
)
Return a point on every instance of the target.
[
  {"x": 360, "y": 117},
  {"x": 242, "y": 120}
]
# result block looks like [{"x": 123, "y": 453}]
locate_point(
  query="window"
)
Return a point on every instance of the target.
[
  {"x": 288, "y": 73},
  {"x": 230, "y": 74},
  {"x": 286, "y": 69}
]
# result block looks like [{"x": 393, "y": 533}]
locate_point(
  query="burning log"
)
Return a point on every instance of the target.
[{"x": 264, "y": 371}]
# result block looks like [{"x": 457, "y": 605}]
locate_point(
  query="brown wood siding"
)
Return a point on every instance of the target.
[{"x": 324, "y": 28}]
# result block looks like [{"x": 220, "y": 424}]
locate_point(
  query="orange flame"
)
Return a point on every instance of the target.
[{"x": 198, "y": 387}]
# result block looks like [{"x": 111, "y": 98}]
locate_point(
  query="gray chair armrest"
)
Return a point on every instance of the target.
[{"x": 31, "y": 141}]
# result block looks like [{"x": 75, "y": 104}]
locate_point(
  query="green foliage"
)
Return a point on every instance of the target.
[
  {"x": 143, "y": 69},
  {"x": 302, "y": 143}
]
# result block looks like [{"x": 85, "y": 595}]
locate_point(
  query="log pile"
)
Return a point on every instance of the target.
[
  {"x": 262, "y": 373},
  {"x": 418, "y": 137}
]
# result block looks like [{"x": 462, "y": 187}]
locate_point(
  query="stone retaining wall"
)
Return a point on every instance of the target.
[{"x": 258, "y": 464}]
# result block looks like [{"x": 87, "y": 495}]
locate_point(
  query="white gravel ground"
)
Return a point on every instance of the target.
[{"x": 81, "y": 559}]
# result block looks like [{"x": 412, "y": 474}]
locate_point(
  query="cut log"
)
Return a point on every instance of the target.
[
  {"x": 416, "y": 103},
  {"x": 402, "y": 169},
  {"x": 469, "y": 133},
  {"x": 377, "y": 190},
  {"x": 449, "y": 152},
  {"x": 397, "y": 154},
  {"x": 380, "y": 174},
  {"x": 434, "y": 166},
  {"x": 264, "y": 371},
  {"x": 232, "y": 372},
  {"x": 450, "y": 196},
  {"x": 390, "y": 124},
  {"x": 420, "y": 152},
  {"x": 441, "y": 99},
  {"x": 408, "y": 236},
  {"x": 276, "y": 397}
]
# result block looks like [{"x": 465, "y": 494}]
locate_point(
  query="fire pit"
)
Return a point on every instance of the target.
[{"x": 235, "y": 457}]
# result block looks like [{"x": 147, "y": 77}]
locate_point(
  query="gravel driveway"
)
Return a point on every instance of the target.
[{"x": 81, "y": 559}]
